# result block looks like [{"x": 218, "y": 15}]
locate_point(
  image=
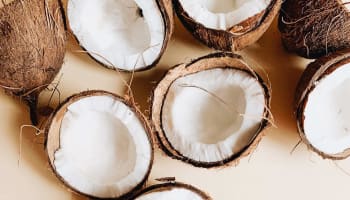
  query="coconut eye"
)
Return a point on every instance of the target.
[
  {"x": 323, "y": 112},
  {"x": 172, "y": 191},
  {"x": 99, "y": 146},
  {"x": 128, "y": 35},
  {"x": 211, "y": 111},
  {"x": 229, "y": 25}
]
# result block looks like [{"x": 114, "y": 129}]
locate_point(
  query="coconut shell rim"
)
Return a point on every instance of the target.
[
  {"x": 171, "y": 185},
  {"x": 89, "y": 93}
]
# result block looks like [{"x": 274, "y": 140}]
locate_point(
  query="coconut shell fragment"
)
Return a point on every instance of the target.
[
  {"x": 212, "y": 111},
  {"x": 314, "y": 28},
  {"x": 322, "y": 108},
  {"x": 32, "y": 48},
  {"x": 100, "y": 146},
  {"x": 224, "y": 27}
]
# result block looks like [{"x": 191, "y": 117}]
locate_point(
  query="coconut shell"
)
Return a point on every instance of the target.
[
  {"x": 32, "y": 47},
  {"x": 314, "y": 28},
  {"x": 311, "y": 76},
  {"x": 166, "y": 9},
  {"x": 172, "y": 185},
  {"x": 52, "y": 132},
  {"x": 235, "y": 38},
  {"x": 212, "y": 61}
]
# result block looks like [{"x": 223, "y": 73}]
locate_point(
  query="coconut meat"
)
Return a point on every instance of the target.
[
  {"x": 209, "y": 116},
  {"x": 327, "y": 113},
  {"x": 104, "y": 149},
  {"x": 171, "y": 194},
  {"x": 124, "y": 34},
  {"x": 223, "y": 14},
  {"x": 346, "y": 3}
]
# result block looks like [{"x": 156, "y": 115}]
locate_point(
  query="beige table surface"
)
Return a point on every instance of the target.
[{"x": 270, "y": 173}]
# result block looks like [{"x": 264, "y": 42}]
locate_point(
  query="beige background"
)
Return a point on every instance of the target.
[{"x": 270, "y": 173}]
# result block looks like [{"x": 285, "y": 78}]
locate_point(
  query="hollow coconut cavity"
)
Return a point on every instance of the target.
[
  {"x": 211, "y": 111},
  {"x": 32, "y": 47},
  {"x": 129, "y": 35},
  {"x": 227, "y": 25},
  {"x": 99, "y": 146},
  {"x": 323, "y": 112},
  {"x": 315, "y": 28},
  {"x": 172, "y": 191}
]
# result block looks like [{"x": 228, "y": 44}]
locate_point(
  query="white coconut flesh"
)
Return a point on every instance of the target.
[
  {"x": 211, "y": 115},
  {"x": 223, "y": 14},
  {"x": 104, "y": 149},
  {"x": 124, "y": 34},
  {"x": 171, "y": 194},
  {"x": 327, "y": 113}
]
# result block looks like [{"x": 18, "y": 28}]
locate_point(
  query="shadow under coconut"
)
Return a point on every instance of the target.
[{"x": 284, "y": 70}]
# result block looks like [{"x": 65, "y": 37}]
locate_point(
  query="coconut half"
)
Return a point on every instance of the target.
[
  {"x": 211, "y": 111},
  {"x": 32, "y": 47},
  {"x": 130, "y": 35},
  {"x": 228, "y": 25},
  {"x": 172, "y": 191},
  {"x": 99, "y": 145},
  {"x": 302, "y": 32},
  {"x": 322, "y": 106}
]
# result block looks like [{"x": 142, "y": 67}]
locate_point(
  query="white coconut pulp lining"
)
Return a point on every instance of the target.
[
  {"x": 224, "y": 14},
  {"x": 322, "y": 109},
  {"x": 123, "y": 34},
  {"x": 99, "y": 146},
  {"x": 210, "y": 111}
]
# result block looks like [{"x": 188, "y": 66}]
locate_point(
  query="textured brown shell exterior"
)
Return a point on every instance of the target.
[
  {"x": 230, "y": 40},
  {"x": 314, "y": 73},
  {"x": 32, "y": 44},
  {"x": 216, "y": 60},
  {"x": 52, "y": 143},
  {"x": 314, "y": 28}
]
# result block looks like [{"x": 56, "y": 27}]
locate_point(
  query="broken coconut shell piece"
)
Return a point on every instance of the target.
[
  {"x": 99, "y": 145},
  {"x": 314, "y": 28},
  {"x": 211, "y": 111},
  {"x": 32, "y": 48},
  {"x": 172, "y": 191},
  {"x": 227, "y": 25},
  {"x": 322, "y": 106},
  {"x": 129, "y": 35}
]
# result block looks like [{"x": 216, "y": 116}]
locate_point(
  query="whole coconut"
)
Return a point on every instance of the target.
[
  {"x": 32, "y": 47},
  {"x": 314, "y": 28}
]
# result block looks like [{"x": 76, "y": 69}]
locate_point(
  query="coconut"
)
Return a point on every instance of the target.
[
  {"x": 314, "y": 28},
  {"x": 129, "y": 35},
  {"x": 172, "y": 191},
  {"x": 322, "y": 106},
  {"x": 227, "y": 25},
  {"x": 99, "y": 145},
  {"x": 32, "y": 47},
  {"x": 211, "y": 111}
]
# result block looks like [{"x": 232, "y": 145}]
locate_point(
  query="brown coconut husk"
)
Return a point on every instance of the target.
[
  {"x": 314, "y": 28},
  {"x": 32, "y": 48},
  {"x": 217, "y": 60},
  {"x": 314, "y": 73},
  {"x": 172, "y": 185},
  {"x": 235, "y": 38},
  {"x": 52, "y": 132},
  {"x": 166, "y": 9}
]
